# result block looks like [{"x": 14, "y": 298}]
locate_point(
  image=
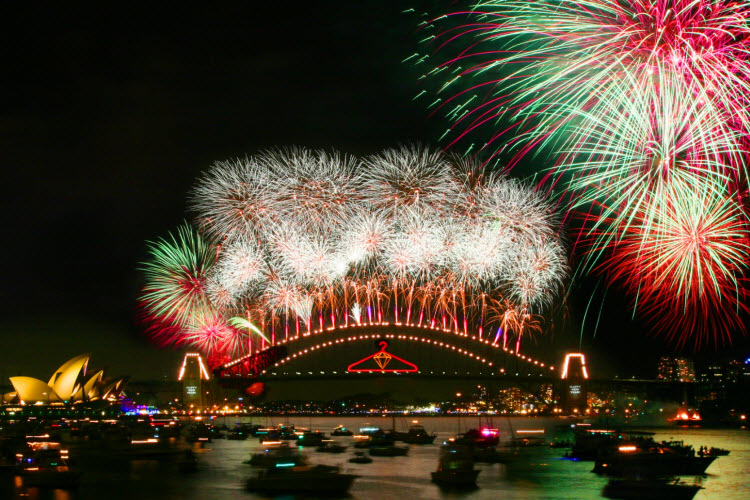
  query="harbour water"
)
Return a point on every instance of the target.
[{"x": 534, "y": 473}]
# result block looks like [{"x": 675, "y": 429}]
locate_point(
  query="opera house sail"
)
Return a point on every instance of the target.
[{"x": 68, "y": 384}]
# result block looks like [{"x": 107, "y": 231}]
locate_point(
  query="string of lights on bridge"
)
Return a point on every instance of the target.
[{"x": 357, "y": 337}]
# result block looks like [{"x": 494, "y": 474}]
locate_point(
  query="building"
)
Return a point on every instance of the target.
[
  {"x": 735, "y": 371},
  {"x": 69, "y": 384},
  {"x": 676, "y": 369}
]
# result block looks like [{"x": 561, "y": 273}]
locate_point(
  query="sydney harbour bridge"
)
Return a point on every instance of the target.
[{"x": 389, "y": 351}]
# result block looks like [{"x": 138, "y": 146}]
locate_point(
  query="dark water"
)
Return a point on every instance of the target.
[{"x": 538, "y": 473}]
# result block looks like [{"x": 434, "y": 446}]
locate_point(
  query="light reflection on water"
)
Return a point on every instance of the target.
[{"x": 538, "y": 473}]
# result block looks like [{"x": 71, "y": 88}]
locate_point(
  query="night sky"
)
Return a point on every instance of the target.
[{"x": 111, "y": 114}]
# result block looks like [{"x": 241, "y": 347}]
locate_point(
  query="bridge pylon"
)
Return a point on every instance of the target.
[{"x": 574, "y": 377}]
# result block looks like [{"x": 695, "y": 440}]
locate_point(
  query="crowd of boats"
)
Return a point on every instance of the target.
[
  {"x": 285, "y": 469},
  {"x": 640, "y": 467},
  {"x": 636, "y": 465}
]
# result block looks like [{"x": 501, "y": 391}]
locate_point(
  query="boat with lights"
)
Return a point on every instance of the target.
[
  {"x": 310, "y": 438},
  {"x": 340, "y": 430},
  {"x": 277, "y": 454},
  {"x": 591, "y": 443},
  {"x": 632, "y": 460},
  {"x": 45, "y": 464},
  {"x": 370, "y": 436}
]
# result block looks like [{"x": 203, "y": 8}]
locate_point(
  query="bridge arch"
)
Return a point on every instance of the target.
[{"x": 287, "y": 356}]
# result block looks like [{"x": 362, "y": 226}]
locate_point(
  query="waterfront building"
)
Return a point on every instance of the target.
[
  {"x": 69, "y": 384},
  {"x": 676, "y": 369},
  {"x": 735, "y": 371}
]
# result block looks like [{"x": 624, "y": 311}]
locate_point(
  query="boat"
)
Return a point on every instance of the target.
[
  {"x": 277, "y": 454},
  {"x": 646, "y": 489},
  {"x": 360, "y": 458},
  {"x": 372, "y": 436},
  {"x": 418, "y": 435},
  {"x": 199, "y": 432},
  {"x": 456, "y": 467},
  {"x": 685, "y": 418},
  {"x": 238, "y": 434},
  {"x": 340, "y": 430},
  {"x": 591, "y": 444},
  {"x": 45, "y": 464},
  {"x": 630, "y": 460},
  {"x": 484, "y": 437},
  {"x": 287, "y": 433},
  {"x": 310, "y": 438},
  {"x": 388, "y": 450},
  {"x": 330, "y": 446},
  {"x": 317, "y": 480}
]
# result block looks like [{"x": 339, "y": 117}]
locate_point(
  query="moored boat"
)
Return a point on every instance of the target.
[
  {"x": 646, "y": 489},
  {"x": 319, "y": 480},
  {"x": 277, "y": 454},
  {"x": 340, "y": 430},
  {"x": 44, "y": 464},
  {"x": 455, "y": 467},
  {"x": 418, "y": 435},
  {"x": 310, "y": 438},
  {"x": 630, "y": 460}
]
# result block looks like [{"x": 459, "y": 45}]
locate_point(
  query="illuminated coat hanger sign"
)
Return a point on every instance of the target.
[{"x": 382, "y": 360}]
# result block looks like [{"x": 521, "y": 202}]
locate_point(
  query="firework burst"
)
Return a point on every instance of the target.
[
  {"x": 639, "y": 102},
  {"x": 683, "y": 257},
  {"x": 312, "y": 243}
]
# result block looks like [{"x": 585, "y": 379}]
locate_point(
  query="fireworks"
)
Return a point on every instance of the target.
[
  {"x": 295, "y": 240},
  {"x": 541, "y": 66},
  {"x": 644, "y": 106},
  {"x": 683, "y": 257}
]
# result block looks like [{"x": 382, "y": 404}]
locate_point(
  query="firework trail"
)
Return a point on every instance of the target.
[
  {"x": 295, "y": 240},
  {"x": 638, "y": 101}
]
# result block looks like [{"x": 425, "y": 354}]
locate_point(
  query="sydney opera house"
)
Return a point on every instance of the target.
[{"x": 69, "y": 384}]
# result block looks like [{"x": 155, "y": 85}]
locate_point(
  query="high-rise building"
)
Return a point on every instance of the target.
[
  {"x": 735, "y": 371},
  {"x": 675, "y": 369}
]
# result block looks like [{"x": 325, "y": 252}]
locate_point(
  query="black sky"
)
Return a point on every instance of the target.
[{"x": 112, "y": 112}]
